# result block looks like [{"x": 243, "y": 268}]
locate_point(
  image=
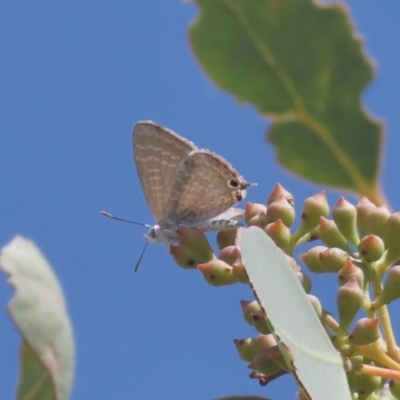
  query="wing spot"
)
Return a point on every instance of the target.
[
  {"x": 233, "y": 183},
  {"x": 239, "y": 196}
]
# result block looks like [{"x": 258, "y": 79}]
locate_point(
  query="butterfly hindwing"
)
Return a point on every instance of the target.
[{"x": 205, "y": 186}]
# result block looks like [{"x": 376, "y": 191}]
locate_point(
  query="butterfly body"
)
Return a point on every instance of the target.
[
  {"x": 168, "y": 235},
  {"x": 156, "y": 234}
]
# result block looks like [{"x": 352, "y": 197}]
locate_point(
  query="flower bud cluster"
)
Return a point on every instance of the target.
[{"x": 359, "y": 243}]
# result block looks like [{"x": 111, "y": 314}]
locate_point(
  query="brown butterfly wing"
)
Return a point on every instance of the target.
[
  {"x": 205, "y": 186},
  {"x": 158, "y": 153}
]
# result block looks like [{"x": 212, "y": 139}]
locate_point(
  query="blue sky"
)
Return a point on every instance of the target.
[{"x": 74, "y": 79}]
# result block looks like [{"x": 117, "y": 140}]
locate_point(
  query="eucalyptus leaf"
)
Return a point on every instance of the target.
[
  {"x": 39, "y": 312},
  {"x": 303, "y": 65},
  {"x": 318, "y": 365}
]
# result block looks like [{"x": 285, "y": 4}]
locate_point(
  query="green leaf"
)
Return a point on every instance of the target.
[
  {"x": 318, "y": 366},
  {"x": 302, "y": 65},
  {"x": 39, "y": 312},
  {"x": 34, "y": 381}
]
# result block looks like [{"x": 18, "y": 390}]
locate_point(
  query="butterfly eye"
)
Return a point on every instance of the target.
[{"x": 233, "y": 183}]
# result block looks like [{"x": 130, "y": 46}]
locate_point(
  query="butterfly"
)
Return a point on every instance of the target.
[{"x": 184, "y": 186}]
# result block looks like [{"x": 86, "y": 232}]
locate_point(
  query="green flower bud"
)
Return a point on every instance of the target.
[
  {"x": 350, "y": 299},
  {"x": 349, "y": 271},
  {"x": 226, "y": 238},
  {"x": 363, "y": 207},
  {"x": 278, "y": 192},
  {"x": 329, "y": 233},
  {"x": 239, "y": 271},
  {"x": 253, "y": 210},
  {"x": 364, "y": 384},
  {"x": 391, "y": 236},
  {"x": 391, "y": 289},
  {"x": 280, "y": 209},
  {"x": 314, "y": 208},
  {"x": 333, "y": 259},
  {"x": 262, "y": 362},
  {"x": 247, "y": 348},
  {"x": 217, "y": 272},
  {"x": 248, "y": 308},
  {"x": 376, "y": 220},
  {"x": 366, "y": 331},
  {"x": 279, "y": 233},
  {"x": 259, "y": 220},
  {"x": 312, "y": 261},
  {"x": 345, "y": 216},
  {"x": 193, "y": 249},
  {"x": 371, "y": 248},
  {"x": 260, "y": 322}
]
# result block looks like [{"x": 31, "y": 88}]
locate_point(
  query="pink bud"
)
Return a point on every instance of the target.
[
  {"x": 279, "y": 191},
  {"x": 217, "y": 272},
  {"x": 229, "y": 254},
  {"x": 281, "y": 209},
  {"x": 349, "y": 271},
  {"x": 259, "y": 220},
  {"x": 371, "y": 248},
  {"x": 254, "y": 209}
]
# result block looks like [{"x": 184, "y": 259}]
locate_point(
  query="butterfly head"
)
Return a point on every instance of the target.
[{"x": 156, "y": 234}]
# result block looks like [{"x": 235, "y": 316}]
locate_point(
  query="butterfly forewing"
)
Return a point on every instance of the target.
[
  {"x": 158, "y": 152},
  {"x": 205, "y": 186}
]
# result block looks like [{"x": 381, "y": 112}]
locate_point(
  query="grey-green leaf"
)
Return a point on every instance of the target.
[
  {"x": 319, "y": 367},
  {"x": 39, "y": 312}
]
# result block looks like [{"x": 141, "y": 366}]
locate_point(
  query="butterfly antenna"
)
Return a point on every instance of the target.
[
  {"x": 106, "y": 214},
  {"x": 140, "y": 258}
]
